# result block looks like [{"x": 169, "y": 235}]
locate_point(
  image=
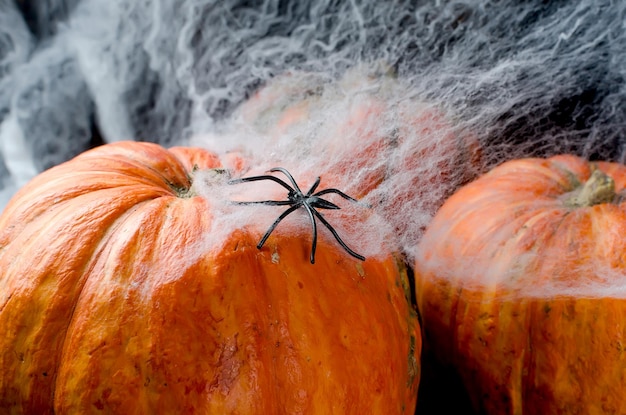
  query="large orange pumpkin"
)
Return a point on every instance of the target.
[
  {"x": 520, "y": 281},
  {"x": 113, "y": 300}
]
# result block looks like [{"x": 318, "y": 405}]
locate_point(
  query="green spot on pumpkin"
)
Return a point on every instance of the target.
[{"x": 413, "y": 363}]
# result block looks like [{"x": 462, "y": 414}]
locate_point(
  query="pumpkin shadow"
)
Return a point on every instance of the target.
[{"x": 441, "y": 390}]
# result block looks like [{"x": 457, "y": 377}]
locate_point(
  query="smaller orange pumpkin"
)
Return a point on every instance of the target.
[{"x": 520, "y": 283}]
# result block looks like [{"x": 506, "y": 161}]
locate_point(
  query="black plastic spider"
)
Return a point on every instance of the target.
[{"x": 295, "y": 199}]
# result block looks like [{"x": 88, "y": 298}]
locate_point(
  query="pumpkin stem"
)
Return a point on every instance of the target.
[
  {"x": 208, "y": 177},
  {"x": 599, "y": 188}
]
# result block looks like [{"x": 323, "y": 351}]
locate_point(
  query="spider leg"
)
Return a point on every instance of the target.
[
  {"x": 336, "y": 235},
  {"x": 336, "y": 191},
  {"x": 276, "y": 222},
  {"x": 318, "y": 202},
  {"x": 342, "y": 194},
  {"x": 266, "y": 202},
  {"x": 264, "y": 177},
  {"x": 310, "y": 211},
  {"x": 289, "y": 176},
  {"x": 312, "y": 189}
]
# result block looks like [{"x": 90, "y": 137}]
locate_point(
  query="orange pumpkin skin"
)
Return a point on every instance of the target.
[
  {"x": 111, "y": 301},
  {"x": 514, "y": 285}
]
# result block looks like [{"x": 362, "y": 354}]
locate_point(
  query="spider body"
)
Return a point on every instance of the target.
[{"x": 296, "y": 198}]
